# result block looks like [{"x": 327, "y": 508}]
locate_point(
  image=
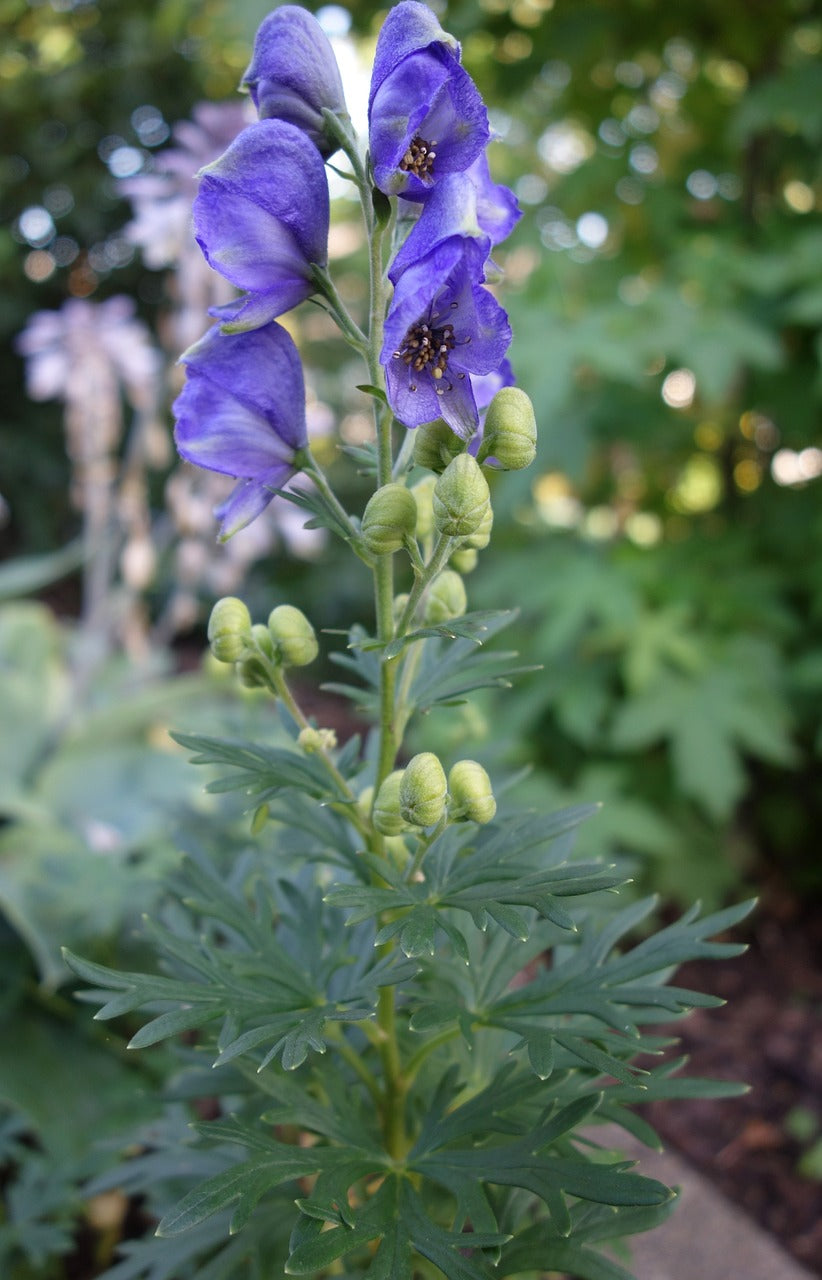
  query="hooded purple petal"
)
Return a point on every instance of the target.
[
  {"x": 408, "y": 28},
  {"x": 261, "y": 216},
  {"x": 450, "y": 211},
  {"x": 242, "y": 413},
  {"x": 294, "y": 75},
  {"x": 498, "y": 210},
  {"x": 426, "y": 116}
]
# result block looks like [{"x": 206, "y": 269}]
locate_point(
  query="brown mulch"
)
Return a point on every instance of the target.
[{"x": 769, "y": 1034}]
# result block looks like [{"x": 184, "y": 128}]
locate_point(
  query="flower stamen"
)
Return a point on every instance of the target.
[
  {"x": 425, "y": 348},
  {"x": 419, "y": 158}
]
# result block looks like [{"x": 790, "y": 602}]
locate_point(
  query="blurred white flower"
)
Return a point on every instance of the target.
[
  {"x": 162, "y": 197},
  {"x": 86, "y": 349}
]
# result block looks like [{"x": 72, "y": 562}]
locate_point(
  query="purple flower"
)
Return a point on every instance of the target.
[
  {"x": 426, "y": 116},
  {"x": 442, "y": 328},
  {"x": 261, "y": 219},
  {"x": 294, "y": 75},
  {"x": 242, "y": 413}
]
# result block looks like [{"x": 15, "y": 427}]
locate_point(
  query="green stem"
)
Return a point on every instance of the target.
[
  {"x": 384, "y": 589},
  {"x": 404, "y": 707},
  {"x": 415, "y": 1062},
  {"x": 312, "y": 469},
  {"x": 394, "y": 1091},
  {"x": 355, "y": 1062},
  {"x": 338, "y": 309},
  {"x": 439, "y": 557},
  {"x": 404, "y": 457},
  {"x": 280, "y": 687},
  {"x": 423, "y": 846}
]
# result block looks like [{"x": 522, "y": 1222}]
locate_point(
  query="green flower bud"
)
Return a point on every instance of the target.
[
  {"x": 461, "y": 498},
  {"x": 472, "y": 799},
  {"x": 313, "y": 740},
  {"x": 386, "y": 816},
  {"x": 446, "y": 597},
  {"x": 479, "y": 540},
  {"x": 435, "y": 444},
  {"x": 423, "y": 495},
  {"x": 423, "y": 790},
  {"x": 229, "y": 628},
  {"x": 464, "y": 559},
  {"x": 294, "y": 640},
  {"x": 365, "y": 800},
  {"x": 510, "y": 432},
  {"x": 389, "y": 518}
]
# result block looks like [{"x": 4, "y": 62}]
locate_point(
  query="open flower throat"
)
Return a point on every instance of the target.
[
  {"x": 419, "y": 158},
  {"x": 426, "y": 348}
]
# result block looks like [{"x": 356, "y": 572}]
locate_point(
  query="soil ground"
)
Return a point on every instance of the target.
[{"x": 763, "y": 1150}]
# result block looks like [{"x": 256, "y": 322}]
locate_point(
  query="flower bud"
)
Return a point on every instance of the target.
[
  {"x": 294, "y": 75},
  {"x": 464, "y": 559},
  {"x": 313, "y": 740},
  {"x": 389, "y": 518},
  {"x": 479, "y": 540},
  {"x": 435, "y": 444},
  {"x": 423, "y": 495},
  {"x": 446, "y": 598},
  {"x": 259, "y": 650},
  {"x": 387, "y": 817},
  {"x": 461, "y": 498},
  {"x": 423, "y": 790},
  {"x": 294, "y": 640},
  {"x": 510, "y": 432},
  {"x": 229, "y": 629},
  {"x": 472, "y": 799}
]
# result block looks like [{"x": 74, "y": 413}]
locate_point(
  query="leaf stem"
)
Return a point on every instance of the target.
[{"x": 442, "y": 550}]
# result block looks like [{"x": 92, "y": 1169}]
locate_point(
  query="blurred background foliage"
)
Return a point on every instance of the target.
[{"x": 665, "y": 286}]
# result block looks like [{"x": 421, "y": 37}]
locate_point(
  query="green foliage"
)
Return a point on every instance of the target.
[{"x": 259, "y": 964}]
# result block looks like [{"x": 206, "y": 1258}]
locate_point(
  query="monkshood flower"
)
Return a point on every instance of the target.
[
  {"x": 242, "y": 413},
  {"x": 426, "y": 116},
  {"x": 443, "y": 328},
  {"x": 261, "y": 219},
  {"x": 294, "y": 75}
]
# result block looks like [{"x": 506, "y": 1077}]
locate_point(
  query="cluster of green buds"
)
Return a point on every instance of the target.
[
  {"x": 421, "y": 796},
  {"x": 258, "y": 650}
]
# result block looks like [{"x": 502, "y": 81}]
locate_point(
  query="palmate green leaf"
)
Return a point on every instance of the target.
[
  {"x": 270, "y": 1001},
  {"x": 396, "y": 1217},
  {"x": 710, "y": 718},
  {"x": 592, "y": 1003},
  {"x": 449, "y": 668},
  {"x": 258, "y": 770},
  {"x": 471, "y": 626},
  {"x": 540, "y": 1161},
  {"x": 486, "y": 877},
  {"x": 541, "y": 1247}
]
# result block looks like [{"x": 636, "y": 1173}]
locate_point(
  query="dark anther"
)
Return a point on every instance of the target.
[{"x": 419, "y": 158}]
